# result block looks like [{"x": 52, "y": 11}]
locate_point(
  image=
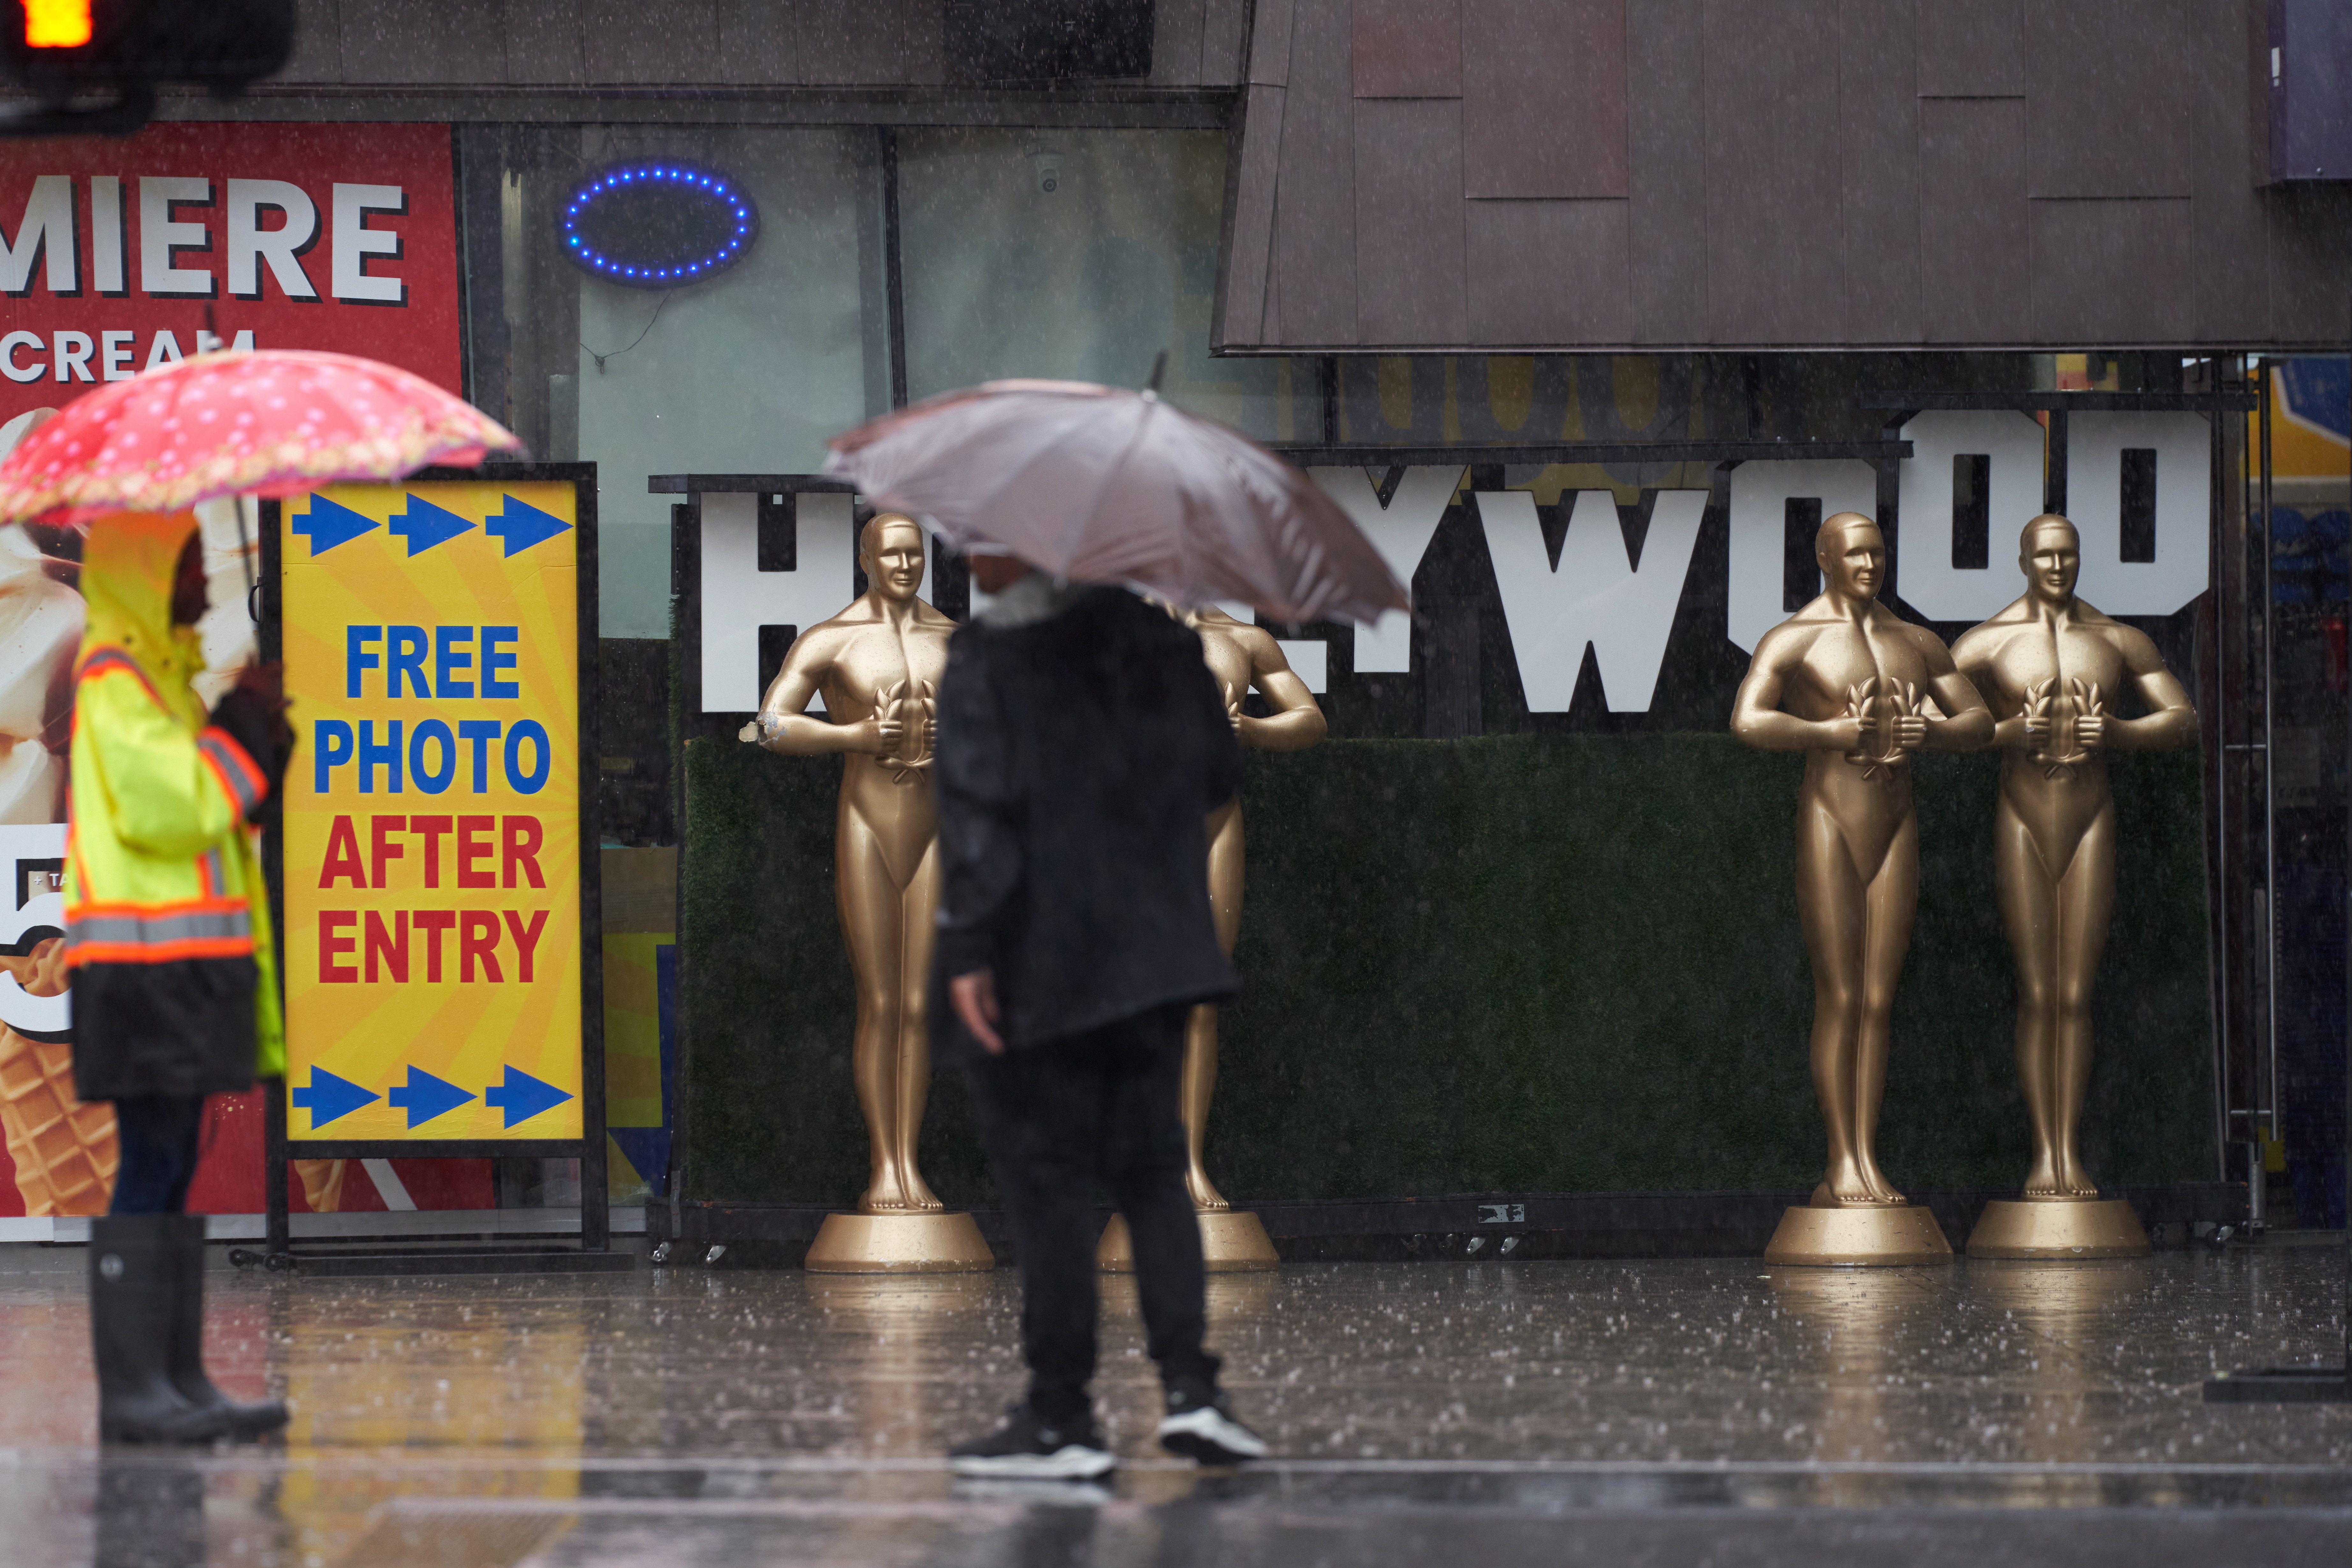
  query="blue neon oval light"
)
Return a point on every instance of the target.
[{"x": 658, "y": 224}]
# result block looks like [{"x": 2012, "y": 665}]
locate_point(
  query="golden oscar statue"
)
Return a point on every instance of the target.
[
  {"x": 2051, "y": 665},
  {"x": 1848, "y": 683},
  {"x": 1241, "y": 655},
  {"x": 877, "y": 664}
]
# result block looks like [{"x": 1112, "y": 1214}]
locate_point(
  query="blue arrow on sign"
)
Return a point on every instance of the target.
[
  {"x": 424, "y": 525},
  {"x": 522, "y": 525},
  {"x": 329, "y": 523},
  {"x": 425, "y": 1097},
  {"x": 522, "y": 1097},
  {"x": 330, "y": 1098}
]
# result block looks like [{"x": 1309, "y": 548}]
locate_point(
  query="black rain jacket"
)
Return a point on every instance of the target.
[{"x": 1077, "y": 760}]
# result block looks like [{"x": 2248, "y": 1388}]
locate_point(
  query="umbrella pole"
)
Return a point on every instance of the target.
[{"x": 245, "y": 558}]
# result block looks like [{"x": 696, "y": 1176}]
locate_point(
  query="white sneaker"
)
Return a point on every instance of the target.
[
  {"x": 1026, "y": 1448},
  {"x": 1201, "y": 1427}
]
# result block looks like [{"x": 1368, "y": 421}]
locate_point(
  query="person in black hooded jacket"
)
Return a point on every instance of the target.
[{"x": 1081, "y": 746}]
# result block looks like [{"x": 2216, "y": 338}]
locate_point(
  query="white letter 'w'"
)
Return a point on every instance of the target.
[{"x": 1596, "y": 596}]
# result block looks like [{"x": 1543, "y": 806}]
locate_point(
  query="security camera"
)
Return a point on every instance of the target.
[{"x": 1047, "y": 166}]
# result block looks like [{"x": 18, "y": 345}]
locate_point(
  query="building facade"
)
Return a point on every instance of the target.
[{"x": 1601, "y": 304}]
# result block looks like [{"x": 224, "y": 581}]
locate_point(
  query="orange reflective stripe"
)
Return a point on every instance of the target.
[
  {"x": 124, "y": 907},
  {"x": 239, "y": 779},
  {"x": 161, "y": 952},
  {"x": 113, "y": 660}
]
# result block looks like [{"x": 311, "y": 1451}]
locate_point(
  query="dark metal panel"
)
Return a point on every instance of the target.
[
  {"x": 1176, "y": 43},
  {"x": 1112, "y": 105},
  {"x": 2113, "y": 273},
  {"x": 923, "y": 46},
  {"x": 1543, "y": 97},
  {"x": 543, "y": 42},
  {"x": 318, "y": 43},
  {"x": 1365, "y": 455},
  {"x": 1409, "y": 222},
  {"x": 1878, "y": 135},
  {"x": 1224, "y": 37},
  {"x": 421, "y": 42},
  {"x": 595, "y": 1202},
  {"x": 631, "y": 42},
  {"x": 757, "y": 44},
  {"x": 1776, "y": 269},
  {"x": 1975, "y": 264},
  {"x": 2228, "y": 143},
  {"x": 1273, "y": 332},
  {"x": 2107, "y": 114},
  {"x": 1971, "y": 48},
  {"x": 865, "y": 43},
  {"x": 1911, "y": 402},
  {"x": 1248, "y": 257},
  {"x": 489, "y": 336},
  {"x": 1544, "y": 274},
  {"x": 1408, "y": 48},
  {"x": 2310, "y": 109},
  {"x": 1315, "y": 250},
  {"x": 1665, "y": 170},
  {"x": 434, "y": 1148},
  {"x": 270, "y": 637},
  {"x": 740, "y": 484},
  {"x": 1269, "y": 49},
  {"x": 2310, "y": 262}
]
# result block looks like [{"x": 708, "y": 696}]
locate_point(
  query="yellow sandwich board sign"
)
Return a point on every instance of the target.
[{"x": 435, "y": 839}]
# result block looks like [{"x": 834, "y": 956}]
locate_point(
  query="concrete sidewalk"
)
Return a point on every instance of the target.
[{"x": 1513, "y": 1412}]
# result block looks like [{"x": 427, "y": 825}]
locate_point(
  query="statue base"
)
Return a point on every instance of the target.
[
  {"x": 1858, "y": 1237},
  {"x": 899, "y": 1244},
  {"x": 2058, "y": 1231},
  {"x": 1232, "y": 1242}
]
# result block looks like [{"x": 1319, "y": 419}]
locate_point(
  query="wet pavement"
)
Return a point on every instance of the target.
[{"x": 1627, "y": 1412}]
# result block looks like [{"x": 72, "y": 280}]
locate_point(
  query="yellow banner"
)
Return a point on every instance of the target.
[{"x": 433, "y": 855}]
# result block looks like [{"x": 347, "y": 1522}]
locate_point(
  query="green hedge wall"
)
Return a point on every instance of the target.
[{"x": 1529, "y": 964}]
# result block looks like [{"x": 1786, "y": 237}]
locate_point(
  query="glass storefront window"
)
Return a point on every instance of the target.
[
  {"x": 1079, "y": 254},
  {"x": 747, "y": 372},
  {"x": 1074, "y": 253}
]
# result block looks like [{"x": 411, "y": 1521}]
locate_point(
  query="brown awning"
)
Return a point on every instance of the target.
[{"x": 1495, "y": 176}]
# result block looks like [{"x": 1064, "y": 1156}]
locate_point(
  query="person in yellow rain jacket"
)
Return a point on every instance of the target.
[{"x": 167, "y": 932}]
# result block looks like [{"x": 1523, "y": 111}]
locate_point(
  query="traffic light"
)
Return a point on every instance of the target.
[
  {"x": 57, "y": 24},
  {"x": 67, "y": 52}
]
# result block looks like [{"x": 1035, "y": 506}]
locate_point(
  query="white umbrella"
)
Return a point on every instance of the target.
[{"x": 1100, "y": 485}]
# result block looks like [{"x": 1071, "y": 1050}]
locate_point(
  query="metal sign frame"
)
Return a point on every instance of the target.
[{"x": 595, "y": 1220}]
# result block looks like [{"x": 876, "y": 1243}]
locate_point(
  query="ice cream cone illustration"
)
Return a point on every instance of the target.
[
  {"x": 322, "y": 1183},
  {"x": 64, "y": 1151}
]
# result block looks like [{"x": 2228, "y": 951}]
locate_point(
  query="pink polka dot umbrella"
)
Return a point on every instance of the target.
[{"x": 275, "y": 422}]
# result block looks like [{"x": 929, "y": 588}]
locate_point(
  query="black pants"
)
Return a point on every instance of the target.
[
  {"x": 1054, "y": 1118},
  {"x": 160, "y": 1136}
]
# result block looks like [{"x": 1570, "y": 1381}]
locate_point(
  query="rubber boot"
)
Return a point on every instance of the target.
[
  {"x": 187, "y": 1360},
  {"x": 132, "y": 1286}
]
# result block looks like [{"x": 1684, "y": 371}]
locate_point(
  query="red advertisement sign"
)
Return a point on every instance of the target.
[{"x": 118, "y": 254}]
